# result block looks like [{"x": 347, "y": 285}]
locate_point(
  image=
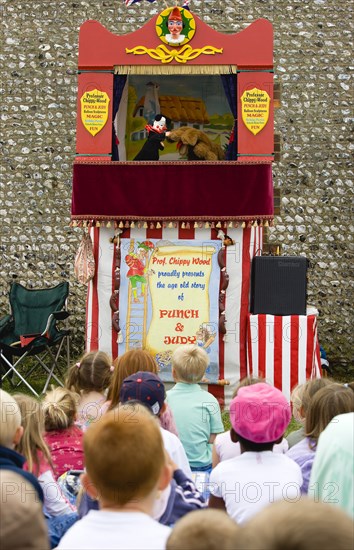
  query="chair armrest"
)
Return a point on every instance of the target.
[
  {"x": 55, "y": 316},
  {"x": 60, "y": 315},
  {"x": 6, "y": 323}
]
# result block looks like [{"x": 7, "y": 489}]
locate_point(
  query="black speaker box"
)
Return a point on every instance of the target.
[{"x": 278, "y": 285}]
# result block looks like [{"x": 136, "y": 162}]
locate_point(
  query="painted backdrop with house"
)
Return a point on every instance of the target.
[{"x": 196, "y": 101}]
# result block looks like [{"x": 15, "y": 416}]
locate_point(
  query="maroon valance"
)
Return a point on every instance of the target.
[{"x": 167, "y": 191}]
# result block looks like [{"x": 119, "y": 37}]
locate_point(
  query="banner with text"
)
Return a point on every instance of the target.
[{"x": 169, "y": 296}]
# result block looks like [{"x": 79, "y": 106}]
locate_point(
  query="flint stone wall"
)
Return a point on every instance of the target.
[{"x": 312, "y": 54}]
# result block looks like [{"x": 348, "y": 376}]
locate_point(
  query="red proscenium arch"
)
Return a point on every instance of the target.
[{"x": 251, "y": 48}]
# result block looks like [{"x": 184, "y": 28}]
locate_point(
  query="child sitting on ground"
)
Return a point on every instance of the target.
[
  {"x": 33, "y": 447},
  {"x": 147, "y": 388},
  {"x": 62, "y": 436},
  {"x": 90, "y": 378},
  {"x": 196, "y": 412},
  {"x": 202, "y": 530},
  {"x": 301, "y": 525},
  {"x": 181, "y": 496},
  {"x": 11, "y": 431},
  {"x": 22, "y": 525},
  {"x": 60, "y": 514},
  {"x": 325, "y": 404},
  {"x": 125, "y": 468},
  {"x": 296, "y": 404},
  {"x": 334, "y": 461},
  {"x": 224, "y": 448},
  {"x": 129, "y": 363},
  {"x": 259, "y": 416},
  {"x": 300, "y": 398}
]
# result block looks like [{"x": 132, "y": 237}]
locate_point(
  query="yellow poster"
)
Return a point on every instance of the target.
[
  {"x": 179, "y": 290},
  {"x": 255, "y": 109},
  {"x": 169, "y": 296},
  {"x": 94, "y": 110}
]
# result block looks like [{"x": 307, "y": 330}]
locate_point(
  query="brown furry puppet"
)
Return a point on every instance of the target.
[{"x": 195, "y": 144}]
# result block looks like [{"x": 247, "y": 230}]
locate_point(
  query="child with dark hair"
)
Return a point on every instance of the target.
[
  {"x": 244, "y": 485},
  {"x": 223, "y": 447}
]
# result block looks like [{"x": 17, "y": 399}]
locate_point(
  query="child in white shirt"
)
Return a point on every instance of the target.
[
  {"x": 125, "y": 468},
  {"x": 244, "y": 485}
]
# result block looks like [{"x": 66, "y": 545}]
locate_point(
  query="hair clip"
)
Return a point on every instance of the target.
[
  {"x": 111, "y": 368},
  {"x": 78, "y": 365}
]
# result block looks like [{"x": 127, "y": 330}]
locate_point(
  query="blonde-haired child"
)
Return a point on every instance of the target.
[
  {"x": 196, "y": 412},
  {"x": 125, "y": 468},
  {"x": 33, "y": 447},
  {"x": 300, "y": 399},
  {"x": 62, "y": 436},
  {"x": 189, "y": 363},
  {"x": 11, "y": 432},
  {"x": 90, "y": 378},
  {"x": 136, "y": 360},
  {"x": 212, "y": 529},
  {"x": 10, "y": 421},
  {"x": 327, "y": 403}
]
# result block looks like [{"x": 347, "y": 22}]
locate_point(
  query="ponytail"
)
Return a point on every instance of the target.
[
  {"x": 59, "y": 406},
  {"x": 92, "y": 373},
  {"x": 72, "y": 380}
]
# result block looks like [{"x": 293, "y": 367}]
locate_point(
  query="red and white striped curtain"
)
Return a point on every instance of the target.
[
  {"x": 283, "y": 349},
  {"x": 232, "y": 346}
]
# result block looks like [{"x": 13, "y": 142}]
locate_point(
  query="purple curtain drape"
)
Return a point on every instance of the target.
[
  {"x": 118, "y": 87},
  {"x": 229, "y": 82}
]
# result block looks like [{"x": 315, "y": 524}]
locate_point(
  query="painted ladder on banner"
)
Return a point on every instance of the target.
[{"x": 136, "y": 317}]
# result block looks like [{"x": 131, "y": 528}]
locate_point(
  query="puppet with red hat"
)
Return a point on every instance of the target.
[
  {"x": 155, "y": 141},
  {"x": 175, "y": 27}
]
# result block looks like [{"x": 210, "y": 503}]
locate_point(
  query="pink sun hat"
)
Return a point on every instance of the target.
[{"x": 260, "y": 413}]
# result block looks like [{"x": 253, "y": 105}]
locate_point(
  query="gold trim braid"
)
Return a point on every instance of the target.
[{"x": 174, "y": 69}]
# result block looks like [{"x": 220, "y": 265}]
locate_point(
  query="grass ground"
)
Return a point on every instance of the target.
[
  {"x": 37, "y": 381},
  {"x": 292, "y": 426}
]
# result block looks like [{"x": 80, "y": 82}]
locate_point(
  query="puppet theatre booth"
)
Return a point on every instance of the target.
[{"x": 173, "y": 235}]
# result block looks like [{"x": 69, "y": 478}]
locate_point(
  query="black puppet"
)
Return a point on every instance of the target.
[{"x": 154, "y": 143}]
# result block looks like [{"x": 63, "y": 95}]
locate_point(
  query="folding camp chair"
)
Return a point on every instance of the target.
[{"x": 31, "y": 331}]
